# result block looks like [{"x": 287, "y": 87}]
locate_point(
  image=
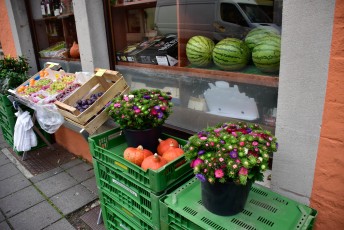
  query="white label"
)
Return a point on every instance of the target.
[
  {"x": 57, "y": 12},
  {"x": 43, "y": 10},
  {"x": 162, "y": 60},
  {"x": 172, "y": 60},
  {"x": 124, "y": 186}
]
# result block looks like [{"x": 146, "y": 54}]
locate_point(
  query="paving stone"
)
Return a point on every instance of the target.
[
  {"x": 91, "y": 218},
  {"x": 36, "y": 217},
  {"x": 7, "y": 171},
  {"x": 1, "y": 217},
  {"x": 81, "y": 172},
  {"x": 13, "y": 184},
  {"x": 71, "y": 164},
  {"x": 72, "y": 199},
  {"x": 4, "y": 226},
  {"x": 61, "y": 224},
  {"x": 91, "y": 185},
  {"x": 56, "y": 184},
  {"x": 3, "y": 159},
  {"x": 45, "y": 175},
  {"x": 20, "y": 201}
]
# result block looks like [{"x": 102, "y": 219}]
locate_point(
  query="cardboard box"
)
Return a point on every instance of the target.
[
  {"x": 164, "y": 52},
  {"x": 131, "y": 53}
]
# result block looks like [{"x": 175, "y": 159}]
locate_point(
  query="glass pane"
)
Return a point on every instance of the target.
[{"x": 200, "y": 102}]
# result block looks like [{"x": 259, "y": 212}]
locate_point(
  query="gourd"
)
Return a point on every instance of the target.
[
  {"x": 153, "y": 162},
  {"x": 136, "y": 155},
  {"x": 164, "y": 145},
  {"x": 172, "y": 153}
]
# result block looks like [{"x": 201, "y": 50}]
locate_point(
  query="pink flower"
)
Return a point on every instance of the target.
[
  {"x": 219, "y": 173},
  {"x": 137, "y": 110},
  {"x": 117, "y": 105},
  {"x": 196, "y": 162},
  {"x": 203, "y": 138},
  {"x": 242, "y": 143},
  {"x": 254, "y": 143},
  {"x": 243, "y": 171},
  {"x": 221, "y": 159},
  {"x": 126, "y": 98}
]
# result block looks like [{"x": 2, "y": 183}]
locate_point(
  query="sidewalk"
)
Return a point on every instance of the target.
[{"x": 47, "y": 200}]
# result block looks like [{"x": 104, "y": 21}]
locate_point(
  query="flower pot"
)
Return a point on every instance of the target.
[
  {"x": 148, "y": 138},
  {"x": 224, "y": 199}
]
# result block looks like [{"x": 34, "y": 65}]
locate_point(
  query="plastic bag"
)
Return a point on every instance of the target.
[
  {"x": 48, "y": 117},
  {"x": 24, "y": 137}
]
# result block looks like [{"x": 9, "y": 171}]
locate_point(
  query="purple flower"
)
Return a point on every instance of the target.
[
  {"x": 160, "y": 115},
  {"x": 146, "y": 97},
  {"x": 135, "y": 107},
  {"x": 157, "y": 107},
  {"x": 200, "y": 177},
  {"x": 249, "y": 130},
  {"x": 201, "y": 152},
  {"x": 233, "y": 154},
  {"x": 222, "y": 142}
]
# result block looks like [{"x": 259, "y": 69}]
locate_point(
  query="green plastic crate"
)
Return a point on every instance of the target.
[
  {"x": 114, "y": 219},
  {"x": 7, "y": 122},
  {"x": 4, "y": 101},
  {"x": 264, "y": 210},
  {"x": 109, "y": 202},
  {"x": 131, "y": 195},
  {"x": 109, "y": 147}
]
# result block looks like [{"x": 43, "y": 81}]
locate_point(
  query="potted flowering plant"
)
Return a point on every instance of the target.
[
  {"x": 230, "y": 153},
  {"x": 141, "y": 112}
]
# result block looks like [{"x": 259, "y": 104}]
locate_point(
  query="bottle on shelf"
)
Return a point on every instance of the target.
[
  {"x": 57, "y": 4},
  {"x": 48, "y": 7},
  {"x": 43, "y": 7}
]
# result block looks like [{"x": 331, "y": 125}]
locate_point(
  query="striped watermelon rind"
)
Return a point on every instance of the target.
[
  {"x": 266, "y": 55},
  {"x": 199, "y": 50},
  {"x": 231, "y": 54},
  {"x": 256, "y": 35}
]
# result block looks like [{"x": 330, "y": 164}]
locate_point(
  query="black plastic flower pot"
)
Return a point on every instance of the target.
[
  {"x": 148, "y": 138},
  {"x": 224, "y": 199}
]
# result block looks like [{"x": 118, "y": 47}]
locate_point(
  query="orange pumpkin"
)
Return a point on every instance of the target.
[
  {"x": 164, "y": 145},
  {"x": 153, "y": 162},
  {"x": 136, "y": 155},
  {"x": 172, "y": 153}
]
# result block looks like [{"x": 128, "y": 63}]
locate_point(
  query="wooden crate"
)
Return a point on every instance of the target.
[{"x": 111, "y": 83}]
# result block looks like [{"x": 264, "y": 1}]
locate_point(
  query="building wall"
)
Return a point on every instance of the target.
[
  {"x": 306, "y": 41},
  {"x": 6, "y": 37},
  {"x": 328, "y": 188}
]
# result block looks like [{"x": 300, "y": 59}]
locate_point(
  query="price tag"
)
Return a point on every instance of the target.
[{"x": 100, "y": 72}]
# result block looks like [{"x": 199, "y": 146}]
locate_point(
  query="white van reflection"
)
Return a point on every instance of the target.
[{"x": 215, "y": 19}]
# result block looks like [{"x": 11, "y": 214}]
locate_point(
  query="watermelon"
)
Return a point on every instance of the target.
[
  {"x": 231, "y": 54},
  {"x": 266, "y": 55},
  {"x": 199, "y": 50},
  {"x": 257, "y": 34}
]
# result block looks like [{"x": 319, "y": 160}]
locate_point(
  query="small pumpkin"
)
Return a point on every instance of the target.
[
  {"x": 136, "y": 155},
  {"x": 153, "y": 162},
  {"x": 165, "y": 145},
  {"x": 172, "y": 153}
]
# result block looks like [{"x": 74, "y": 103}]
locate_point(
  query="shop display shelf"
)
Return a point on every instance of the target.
[
  {"x": 110, "y": 83},
  {"x": 264, "y": 210},
  {"x": 108, "y": 148},
  {"x": 132, "y": 196}
]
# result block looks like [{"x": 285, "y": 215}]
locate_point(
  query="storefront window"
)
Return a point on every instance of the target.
[
  {"x": 54, "y": 32},
  {"x": 228, "y": 49}
]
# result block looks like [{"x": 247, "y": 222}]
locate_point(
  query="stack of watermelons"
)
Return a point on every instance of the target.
[{"x": 262, "y": 44}]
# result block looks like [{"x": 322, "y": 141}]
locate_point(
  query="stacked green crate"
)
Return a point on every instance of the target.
[
  {"x": 129, "y": 195},
  {"x": 8, "y": 121},
  {"x": 264, "y": 209}
]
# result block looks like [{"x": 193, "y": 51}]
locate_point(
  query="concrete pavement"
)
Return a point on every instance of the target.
[{"x": 43, "y": 201}]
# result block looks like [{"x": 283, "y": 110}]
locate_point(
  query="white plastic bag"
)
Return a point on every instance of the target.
[
  {"x": 48, "y": 117},
  {"x": 24, "y": 137}
]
